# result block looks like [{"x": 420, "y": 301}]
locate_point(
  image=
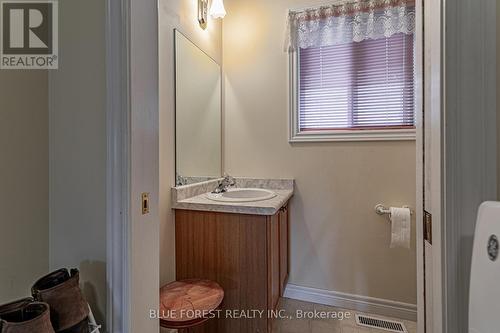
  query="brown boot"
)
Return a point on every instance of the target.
[
  {"x": 15, "y": 306},
  {"x": 22, "y": 317},
  {"x": 68, "y": 309}
]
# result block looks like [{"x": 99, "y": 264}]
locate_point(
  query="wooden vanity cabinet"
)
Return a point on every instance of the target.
[{"x": 246, "y": 254}]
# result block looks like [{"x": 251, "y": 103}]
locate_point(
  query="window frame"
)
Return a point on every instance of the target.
[{"x": 296, "y": 135}]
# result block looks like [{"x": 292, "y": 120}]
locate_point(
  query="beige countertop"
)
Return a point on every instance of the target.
[{"x": 194, "y": 197}]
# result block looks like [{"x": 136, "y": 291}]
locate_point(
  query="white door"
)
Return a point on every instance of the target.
[{"x": 433, "y": 166}]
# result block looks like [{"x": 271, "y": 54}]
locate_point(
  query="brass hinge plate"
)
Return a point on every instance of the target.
[{"x": 428, "y": 226}]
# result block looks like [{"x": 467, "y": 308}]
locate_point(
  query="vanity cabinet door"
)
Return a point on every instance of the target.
[{"x": 284, "y": 248}]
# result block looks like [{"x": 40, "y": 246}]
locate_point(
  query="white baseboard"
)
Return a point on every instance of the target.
[{"x": 371, "y": 305}]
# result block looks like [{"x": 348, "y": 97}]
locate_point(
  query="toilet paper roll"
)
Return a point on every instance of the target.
[{"x": 401, "y": 227}]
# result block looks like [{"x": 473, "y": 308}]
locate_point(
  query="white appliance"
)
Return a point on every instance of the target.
[{"x": 484, "y": 304}]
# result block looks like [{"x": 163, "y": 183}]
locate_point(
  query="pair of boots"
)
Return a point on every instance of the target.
[{"x": 57, "y": 306}]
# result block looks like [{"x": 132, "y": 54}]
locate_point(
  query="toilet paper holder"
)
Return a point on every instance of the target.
[{"x": 383, "y": 210}]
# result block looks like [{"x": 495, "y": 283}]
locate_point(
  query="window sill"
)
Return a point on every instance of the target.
[{"x": 354, "y": 135}]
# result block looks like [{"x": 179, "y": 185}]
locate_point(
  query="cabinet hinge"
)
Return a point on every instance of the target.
[{"x": 428, "y": 226}]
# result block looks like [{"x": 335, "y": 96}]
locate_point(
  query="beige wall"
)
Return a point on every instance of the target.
[
  {"x": 24, "y": 182},
  {"x": 175, "y": 14},
  {"x": 337, "y": 241},
  {"x": 77, "y": 105}
]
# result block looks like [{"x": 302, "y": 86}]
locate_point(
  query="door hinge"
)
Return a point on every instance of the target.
[{"x": 428, "y": 226}]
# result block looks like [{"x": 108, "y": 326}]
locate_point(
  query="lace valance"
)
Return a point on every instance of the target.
[{"x": 352, "y": 21}]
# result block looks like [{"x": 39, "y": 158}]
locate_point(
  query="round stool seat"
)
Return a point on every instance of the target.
[{"x": 188, "y": 303}]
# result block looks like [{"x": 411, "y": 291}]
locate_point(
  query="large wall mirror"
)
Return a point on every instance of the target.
[{"x": 198, "y": 112}]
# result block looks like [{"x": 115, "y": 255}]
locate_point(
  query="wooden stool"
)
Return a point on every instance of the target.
[{"x": 187, "y": 303}]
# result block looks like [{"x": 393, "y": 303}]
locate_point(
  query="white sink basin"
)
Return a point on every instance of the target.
[{"x": 242, "y": 195}]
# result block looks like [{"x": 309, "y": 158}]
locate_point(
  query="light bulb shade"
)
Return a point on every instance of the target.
[{"x": 217, "y": 9}]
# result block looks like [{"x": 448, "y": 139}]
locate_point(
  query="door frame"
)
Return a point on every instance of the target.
[
  {"x": 118, "y": 115},
  {"x": 430, "y": 117},
  {"x": 419, "y": 143},
  {"x": 132, "y": 165},
  {"x": 431, "y": 146}
]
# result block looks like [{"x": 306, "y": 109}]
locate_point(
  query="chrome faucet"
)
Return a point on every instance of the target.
[{"x": 224, "y": 184}]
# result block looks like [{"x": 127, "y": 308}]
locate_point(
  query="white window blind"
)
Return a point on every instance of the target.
[{"x": 358, "y": 85}]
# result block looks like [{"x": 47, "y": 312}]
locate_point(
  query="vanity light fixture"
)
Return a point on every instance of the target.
[
  {"x": 203, "y": 13},
  {"x": 217, "y": 9}
]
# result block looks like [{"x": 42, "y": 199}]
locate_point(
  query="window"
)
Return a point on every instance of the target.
[
  {"x": 359, "y": 86},
  {"x": 351, "y": 78}
]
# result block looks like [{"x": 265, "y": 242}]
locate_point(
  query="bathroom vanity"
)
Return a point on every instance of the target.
[{"x": 243, "y": 246}]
